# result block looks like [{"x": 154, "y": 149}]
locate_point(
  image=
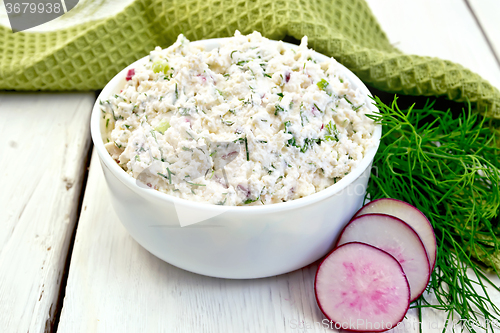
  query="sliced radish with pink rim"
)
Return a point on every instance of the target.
[
  {"x": 411, "y": 215},
  {"x": 397, "y": 238},
  {"x": 362, "y": 288}
]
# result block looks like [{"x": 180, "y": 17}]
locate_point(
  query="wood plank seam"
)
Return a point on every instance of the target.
[{"x": 64, "y": 279}]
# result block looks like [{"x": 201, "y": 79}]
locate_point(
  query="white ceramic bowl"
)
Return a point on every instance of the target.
[{"x": 232, "y": 242}]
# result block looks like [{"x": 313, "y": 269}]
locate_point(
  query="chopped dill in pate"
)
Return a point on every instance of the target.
[{"x": 249, "y": 123}]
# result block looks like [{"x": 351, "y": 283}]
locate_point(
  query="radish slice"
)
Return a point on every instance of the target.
[
  {"x": 361, "y": 288},
  {"x": 397, "y": 238},
  {"x": 411, "y": 215}
]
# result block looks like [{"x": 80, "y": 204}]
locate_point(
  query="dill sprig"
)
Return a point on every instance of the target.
[{"x": 448, "y": 166}]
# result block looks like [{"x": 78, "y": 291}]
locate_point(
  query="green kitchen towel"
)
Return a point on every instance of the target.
[{"x": 87, "y": 56}]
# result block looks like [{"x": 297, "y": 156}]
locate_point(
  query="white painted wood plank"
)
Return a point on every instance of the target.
[
  {"x": 44, "y": 141},
  {"x": 115, "y": 285},
  {"x": 487, "y": 12},
  {"x": 444, "y": 28}
]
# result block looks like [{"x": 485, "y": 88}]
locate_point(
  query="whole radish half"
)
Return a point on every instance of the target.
[
  {"x": 411, "y": 215},
  {"x": 362, "y": 288},
  {"x": 397, "y": 238}
]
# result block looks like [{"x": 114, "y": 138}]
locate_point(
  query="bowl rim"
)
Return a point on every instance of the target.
[{"x": 119, "y": 80}]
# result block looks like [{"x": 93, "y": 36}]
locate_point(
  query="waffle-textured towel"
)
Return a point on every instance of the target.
[{"x": 89, "y": 55}]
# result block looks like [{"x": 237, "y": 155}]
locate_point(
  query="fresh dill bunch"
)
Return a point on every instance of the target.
[{"x": 448, "y": 166}]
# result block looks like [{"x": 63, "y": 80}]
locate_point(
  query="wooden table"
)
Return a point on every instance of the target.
[{"x": 68, "y": 265}]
